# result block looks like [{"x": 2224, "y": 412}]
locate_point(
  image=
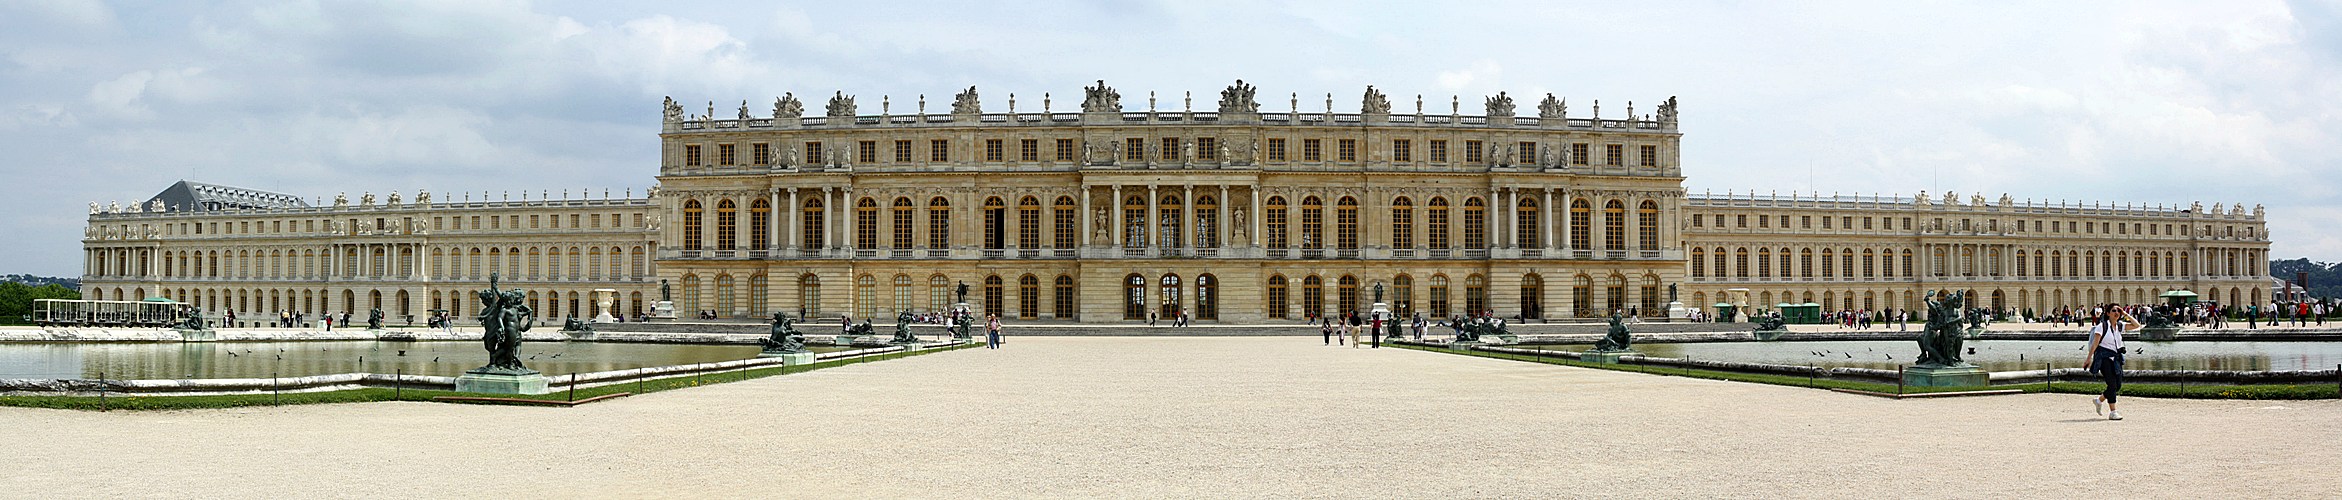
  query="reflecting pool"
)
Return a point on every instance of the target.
[{"x": 294, "y": 359}]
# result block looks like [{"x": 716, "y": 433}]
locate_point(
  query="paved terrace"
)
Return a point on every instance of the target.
[{"x": 1077, "y": 417}]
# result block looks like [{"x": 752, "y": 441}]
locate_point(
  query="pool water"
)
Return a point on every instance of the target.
[
  {"x": 2009, "y": 355},
  {"x": 294, "y": 359}
]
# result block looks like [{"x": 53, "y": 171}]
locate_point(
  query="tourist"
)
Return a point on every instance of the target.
[
  {"x": 992, "y": 331},
  {"x": 2106, "y": 356},
  {"x": 1327, "y": 332},
  {"x": 1352, "y": 328}
]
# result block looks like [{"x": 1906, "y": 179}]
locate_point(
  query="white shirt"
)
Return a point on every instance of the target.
[{"x": 2109, "y": 335}]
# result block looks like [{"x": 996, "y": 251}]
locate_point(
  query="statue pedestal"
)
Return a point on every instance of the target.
[
  {"x": 663, "y": 311},
  {"x": 2166, "y": 333},
  {"x": 204, "y": 335},
  {"x": 1956, "y": 376},
  {"x": 1607, "y": 358},
  {"x": 1768, "y": 335},
  {"x": 789, "y": 358},
  {"x": 603, "y": 297},
  {"x": 854, "y": 340},
  {"x": 502, "y": 383},
  {"x": 1676, "y": 310}
]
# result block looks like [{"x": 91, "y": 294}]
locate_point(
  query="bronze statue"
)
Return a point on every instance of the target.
[
  {"x": 959, "y": 324},
  {"x": 1619, "y": 340},
  {"x": 903, "y": 329},
  {"x": 503, "y": 316},
  {"x": 963, "y": 293},
  {"x": 573, "y": 324},
  {"x": 194, "y": 319},
  {"x": 1939, "y": 341},
  {"x": 374, "y": 319},
  {"x": 785, "y": 338},
  {"x": 1771, "y": 323},
  {"x": 666, "y": 294}
]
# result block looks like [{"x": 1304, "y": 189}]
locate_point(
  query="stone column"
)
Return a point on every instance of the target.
[
  {"x": 1553, "y": 213},
  {"x": 1083, "y": 220},
  {"x": 1220, "y": 218},
  {"x": 793, "y": 221},
  {"x": 1254, "y": 237},
  {"x": 1114, "y": 217},
  {"x": 1187, "y": 233},
  {"x": 1154, "y": 223},
  {"x": 776, "y": 220}
]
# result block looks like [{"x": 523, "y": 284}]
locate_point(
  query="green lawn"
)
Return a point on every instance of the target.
[
  {"x": 2192, "y": 391},
  {"x": 560, "y": 393}
]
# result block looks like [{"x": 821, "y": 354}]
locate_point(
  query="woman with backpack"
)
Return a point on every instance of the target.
[{"x": 2106, "y": 353}]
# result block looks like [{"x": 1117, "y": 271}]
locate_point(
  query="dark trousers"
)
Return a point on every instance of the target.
[{"x": 2109, "y": 366}]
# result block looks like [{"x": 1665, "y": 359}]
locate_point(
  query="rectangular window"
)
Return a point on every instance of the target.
[
  {"x": 1029, "y": 150},
  {"x": 1826, "y": 222},
  {"x": 1740, "y": 221},
  {"x": 1578, "y": 154},
  {"x": 1906, "y": 223},
  {"x": 691, "y": 155},
  {"x": 1170, "y": 150},
  {"x": 938, "y": 150},
  {"x": 1312, "y": 150},
  {"x": 1276, "y": 150},
  {"x": 1065, "y": 150},
  {"x": 1207, "y": 149},
  {"x": 1699, "y": 220},
  {"x": 595, "y": 220},
  {"x": 903, "y": 151},
  {"x": 1866, "y": 223},
  {"x": 1439, "y": 150},
  {"x": 533, "y": 222},
  {"x": 1402, "y": 150},
  {"x": 1805, "y": 222},
  {"x": 1614, "y": 154},
  {"x": 1473, "y": 153},
  {"x": 1764, "y": 222},
  {"x": 1134, "y": 149},
  {"x": 1528, "y": 153},
  {"x": 1846, "y": 222},
  {"x": 1348, "y": 149},
  {"x": 866, "y": 152},
  {"x": 1650, "y": 156},
  {"x": 727, "y": 154},
  {"x": 812, "y": 153},
  {"x": 992, "y": 151},
  {"x": 761, "y": 152}
]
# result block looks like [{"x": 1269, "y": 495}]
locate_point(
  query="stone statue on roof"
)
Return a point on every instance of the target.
[
  {"x": 674, "y": 112},
  {"x": 1237, "y": 98},
  {"x": 965, "y": 103},
  {"x": 366, "y": 199},
  {"x": 341, "y": 200},
  {"x": 787, "y": 107},
  {"x": 1553, "y": 108},
  {"x": 423, "y": 197},
  {"x": 841, "y": 105},
  {"x": 743, "y": 110},
  {"x": 1101, "y": 99},
  {"x": 1667, "y": 110},
  {"x": 1374, "y": 103},
  {"x": 1500, "y": 105}
]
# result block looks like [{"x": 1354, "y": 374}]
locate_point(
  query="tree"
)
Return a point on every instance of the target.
[{"x": 16, "y": 299}]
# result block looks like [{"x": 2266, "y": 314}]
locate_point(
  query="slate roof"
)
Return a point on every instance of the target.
[{"x": 191, "y": 196}]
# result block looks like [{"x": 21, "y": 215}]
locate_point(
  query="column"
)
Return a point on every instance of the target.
[
  {"x": 1512, "y": 223},
  {"x": 793, "y": 223},
  {"x": 1220, "y": 218},
  {"x": 1187, "y": 236},
  {"x": 1114, "y": 217},
  {"x": 773, "y": 225},
  {"x": 1154, "y": 228},
  {"x": 1554, "y": 214},
  {"x": 1083, "y": 219},
  {"x": 1256, "y": 237}
]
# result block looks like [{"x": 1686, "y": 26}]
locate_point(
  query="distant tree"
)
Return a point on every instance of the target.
[
  {"x": 2325, "y": 279},
  {"x": 16, "y": 299}
]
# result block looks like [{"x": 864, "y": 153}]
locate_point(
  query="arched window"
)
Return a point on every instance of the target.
[
  {"x": 1475, "y": 225},
  {"x": 1647, "y": 229},
  {"x": 1065, "y": 303},
  {"x": 994, "y": 303},
  {"x": 1439, "y": 296},
  {"x": 1346, "y": 295},
  {"x": 1028, "y": 225},
  {"x": 690, "y": 286},
  {"x": 995, "y": 223},
  {"x": 1346, "y": 223},
  {"x": 727, "y": 225},
  {"x": 1476, "y": 294},
  {"x": 938, "y": 293},
  {"x": 1063, "y": 213},
  {"x": 691, "y": 225},
  {"x": 1278, "y": 302},
  {"x": 1313, "y": 223},
  {"x": 1615, "y": 295},
  {"x": 1274, "y": 219},
  {"x": 1207, "y": 223},
  {"x": 1867, "y": 264},
  {"x": 1532, "y": 296},
  {"x": 904, "y": 294},
  {"x": 1170, "y": 218},
  {"x": 1402, "y": 223},
  {"x": 1172, "y": 292},
  {"x": 1829, "y": 263},
  {"x": 1525, "y": 224},
  {"x": 1650, "y": 294},
  {"x": 811, "y": 221},
  {"x": 902, "y": 223},
  {"x": 1699, "y": 262},
  {"x": 866, "y": 225},
  {"x": 808, "y": 295},
  {"x": 1207, "y": 297},
  {"x": 1313, "y": 299},
  {"x": 866, "y": 296},
  {"x": 725, "y": 295},
  {"x": 1435, "y": 224},
  {"x": 1581, "y": 227},
  {"x": 1614, "y": 225},
  {"x": 1134, "y": 297},
  {"x": 1028, "y": 296},
  {"x": 1403, "y": 295},
  {"x": 1134, "y": 222},
  {"x": 760, "y": 222}
]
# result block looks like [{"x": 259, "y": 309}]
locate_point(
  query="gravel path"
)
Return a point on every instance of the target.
[{"x": 1189, "y": 417}]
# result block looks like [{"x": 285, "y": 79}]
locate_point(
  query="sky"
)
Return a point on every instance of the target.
[{"x": 2149, "y": 103}]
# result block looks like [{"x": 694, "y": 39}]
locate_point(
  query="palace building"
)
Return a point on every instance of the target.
[{"x": 1101, "y": 214}]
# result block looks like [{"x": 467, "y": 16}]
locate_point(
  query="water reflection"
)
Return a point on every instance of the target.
[
  {"x": 293, "y": 359},
  {"x": 2010, "y": 355}
]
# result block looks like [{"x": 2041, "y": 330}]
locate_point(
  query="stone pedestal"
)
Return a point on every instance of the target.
[
  {"x": 1768, "y": 335},
  {"x": 502, "y": 383},
  {"x": 663, "y": 311},
  {"x": 603, "y": 297},
  {"x": 1608, "y": 358},
  {"x": 1955, "y": 376},
  {"x": 203, "y": 335},
  {"x": 2171, "y": 333},
  {"x": 789, "y": 358},
  {"x": 1676, "y": 310}
]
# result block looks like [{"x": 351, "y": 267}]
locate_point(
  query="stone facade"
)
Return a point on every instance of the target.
[
  {"x": 1872, "y": 253},
  {"x": 405, "y": 258},
  {"x": 1108, "y": 216}
]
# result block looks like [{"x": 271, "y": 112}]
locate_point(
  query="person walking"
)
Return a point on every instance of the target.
[
  {"x": 992, "y": 332},
  {"x": 1352, "y": 328},
  {"x": 1327, "y": 333},
  {"x": 2106, "y": 353}
]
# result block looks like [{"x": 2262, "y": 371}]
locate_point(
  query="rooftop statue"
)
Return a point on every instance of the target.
[
  {"x": 1939, "y": 342},
  {"x": 1237, "y": 99},
  {"x": 423, "y": 197},
  {"x": 1667, "y": 110},
  {"x": 393, "y": 198},
  {"x": 965, "y": 103},
  {"x": 366, "y": 199},
  {"x": 1101, "y": 99},
  {"x": 743, "y": 110},
  {"x": 787, "y": 107},
  {"x": 1500, "y": 105},
  {"x": 1374, "y": 103},
  {"x": 841, "y": 105},
  {"x": 1552, "y": 108},
  {"x": 341, "y": 200},
  {"x": 673, "y": 111}
]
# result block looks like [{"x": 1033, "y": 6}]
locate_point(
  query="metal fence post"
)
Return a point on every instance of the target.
[
  {"x": 1899, "y": 380},
  {"x": 572, "y": 387},
  {"x": 102, "y": 405}
]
